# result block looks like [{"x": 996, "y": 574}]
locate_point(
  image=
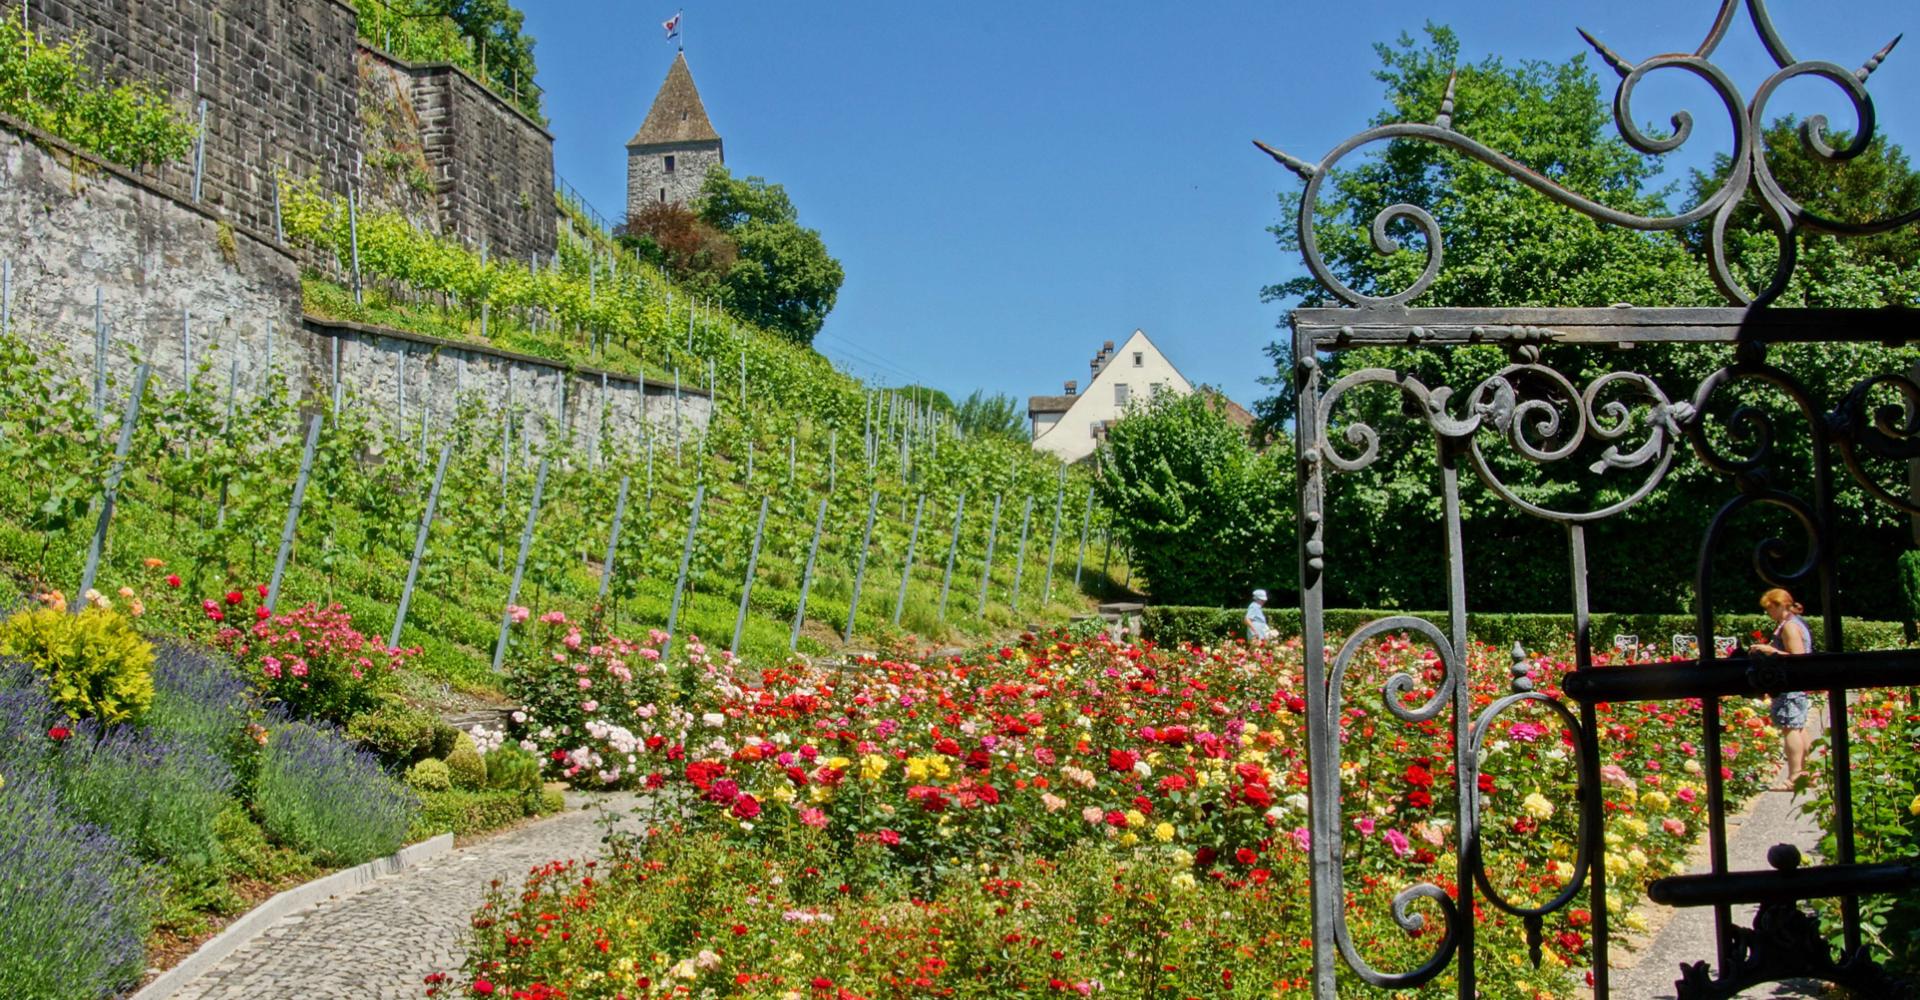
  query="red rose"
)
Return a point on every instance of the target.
[
  {"x": 746, "y": 807},
  {"x": 59, "y": 734},
  {"x": 1486, "y": 784},
  {"x": 262, "y": 613},
  {"x": 173, "y": 580},
  {"x": 1246, "y": 855},
  {"x": 889, "y": 837},
  {"x": 235, "y": 597},
  {"x": 1418, "y": 777},
  {"x": 1121, "y": 760},
  {"x": 482, "y": 988},
  {"x": 822, "y": 983},
  {"x": 261, "y": 589},
  {"x": 1257, "y": 796}
]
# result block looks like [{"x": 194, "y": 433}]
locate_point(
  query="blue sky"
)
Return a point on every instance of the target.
[{"x": 1008, "y": 185}]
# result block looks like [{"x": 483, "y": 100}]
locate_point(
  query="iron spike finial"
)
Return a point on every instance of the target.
[
  {"x": 1297, "y": 165},
  {"x": 1445, "y": 118},
  {"x": 1873, "y": 63},
  {"x": 1620, "y": 66}
]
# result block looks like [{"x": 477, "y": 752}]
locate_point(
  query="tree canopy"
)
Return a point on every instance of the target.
[
  {"x": 1206, "y": 518},
  {"x": 1509, "y": 246},
  {"x": 998, "y": 415},
  {"x": 783, "y": 278}
]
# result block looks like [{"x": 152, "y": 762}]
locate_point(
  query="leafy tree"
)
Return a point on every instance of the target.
[
  {"x": 495, "y": 26},
  {"x": 996, "y": 415},
  {"x": 693, "y": 251},
  {"x": 1508, "y": 246},
  {"x": 1206, "y": 518},
  {"x": 783, "y": 278}
]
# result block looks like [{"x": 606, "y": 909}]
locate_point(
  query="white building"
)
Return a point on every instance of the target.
[{"x": 1072, "y": 425}]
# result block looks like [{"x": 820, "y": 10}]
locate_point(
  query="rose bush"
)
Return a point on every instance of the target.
[
  {"x": 311, "y": 659},
  {"x": 897, "y": 782}
]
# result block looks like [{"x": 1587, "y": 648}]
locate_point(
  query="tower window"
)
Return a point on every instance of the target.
[
  {"x": 1119, "y": 394},
  {"x": 663, "y": 196},
  {"x": 669, "y": 164},
  {"x": 1139, "y": 357}
]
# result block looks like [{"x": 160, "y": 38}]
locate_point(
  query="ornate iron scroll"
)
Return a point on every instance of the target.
[{"x": 1529, "y": 415}]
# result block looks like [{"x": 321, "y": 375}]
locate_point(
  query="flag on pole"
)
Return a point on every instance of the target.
[{"x": 672, "y": 25}]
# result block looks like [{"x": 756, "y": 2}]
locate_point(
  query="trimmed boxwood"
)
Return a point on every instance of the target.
[{"x": 1173, "y": 625}]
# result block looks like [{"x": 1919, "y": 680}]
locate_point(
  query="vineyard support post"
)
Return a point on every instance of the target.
[
  {"x": 335, "y": 394},
  {"x": 293, "y": 513},
  {"x": 676, "y": 416},
  {"x": 860, "y": 568},
  {"x": 111, "y": 489},
  {"x": 613, "y": 539},
  {"x": 353, "y": 238},
  {"x": 1086, "y": 522},
  {"x": 400, "y": 386},
  {"x": 233, "y": 383},
  {"x": 986, "y": 568},
  {"x": 1020, "y": 558},
  {"x": 99, "y": 356},
  {"x": 906, "y": 568},
  {"x": 200, "y": 151},
  {"x": 420, "y": 544},
  {"x": 519, "y": 565},
  {"x": 486, "y": 301},
  {"x": 686, "y": 561},
  {"x": 746, "y": 586},
  {"x": 953, "y": 550},
  {"x": 1053, "y": 543},
  {"x": 806, "y": 576}
]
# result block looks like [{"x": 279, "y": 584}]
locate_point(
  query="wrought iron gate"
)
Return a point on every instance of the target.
[{"x": 1641, "y": 433}]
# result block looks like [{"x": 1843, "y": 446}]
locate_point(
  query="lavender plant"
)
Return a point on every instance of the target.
[
  {"x": 199, "y": 696},
  {"x": 157, "y": 791},
  {"x": 319, "y": 793},
  {"x": 26, "y": 717},
  {"x": 73, "y": 901}
]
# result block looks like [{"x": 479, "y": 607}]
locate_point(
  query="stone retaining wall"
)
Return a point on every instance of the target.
[{"x": 71, "y": 226}]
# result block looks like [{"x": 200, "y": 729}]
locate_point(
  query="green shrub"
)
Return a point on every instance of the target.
[
  {"x": 95, "y": 665},
  {"x": 1174, "y": 625},
  {"x": 51, "y": 88},
  {"x": 465, "y": 766},
  {"x": 445, "y": 737},
  {"x": 510, "y": 768},
  {"x": 464, "y": 812},
  {"x": 1910, "y": 582},
  {"x": 430, "y": 776},
  {"x": 398, "y": 734}
]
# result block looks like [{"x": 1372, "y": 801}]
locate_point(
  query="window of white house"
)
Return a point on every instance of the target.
[
  {"x": 1139, "y": 357},
  {"x": 1119, "y": 394},
  {"x": 669, "y": 164}
]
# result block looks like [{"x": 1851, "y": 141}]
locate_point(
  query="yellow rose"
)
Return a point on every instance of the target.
[
  {"x": 872, "y": 766},
  {"x": 1184, "y": 880},
  {"x": 1537, "y": 806},
  {"x": 783, "y": 793},
  {"x": 1163, "y": 832},
  {"x": 917, "y": 769},
  {"x": 839, "y": 763},
  {"x": 1914, "y": 807},
  {"x": 1129, "y": 838},
  {"x": 1136, "y": 818}
]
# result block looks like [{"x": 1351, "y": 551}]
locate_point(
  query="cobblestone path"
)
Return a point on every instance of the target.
[
  {"x": 1687, "y": 934},
  {"x": 381, "y": 941}
]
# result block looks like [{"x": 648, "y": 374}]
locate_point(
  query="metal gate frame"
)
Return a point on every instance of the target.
[{"x": 1512, "y": 406}]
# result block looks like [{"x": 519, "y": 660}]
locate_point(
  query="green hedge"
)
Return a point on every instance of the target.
[
  {"x": 464, "y": 813},
  {"x": 1171, "y": 625}
]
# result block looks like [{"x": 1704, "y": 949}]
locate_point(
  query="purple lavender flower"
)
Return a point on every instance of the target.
[
  {"x": 73, "y": 900},
  {"x": 320, "y": 793}
]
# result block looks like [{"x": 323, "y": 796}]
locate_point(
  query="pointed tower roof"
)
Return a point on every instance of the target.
[{"x": 677, "y": 114}]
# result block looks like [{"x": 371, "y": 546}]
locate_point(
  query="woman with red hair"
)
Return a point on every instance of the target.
[{"x": 1791, "y": 637}]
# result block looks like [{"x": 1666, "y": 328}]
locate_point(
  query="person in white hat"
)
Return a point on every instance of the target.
[{"x": 1257, "y": 630}]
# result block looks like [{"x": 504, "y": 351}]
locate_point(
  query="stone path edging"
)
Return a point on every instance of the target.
[{"x": 255, "y": 922}]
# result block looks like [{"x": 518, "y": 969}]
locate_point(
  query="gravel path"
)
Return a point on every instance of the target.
[
  {"x": 1687, "y": 934},
  {"x": 380, "y": 942}
]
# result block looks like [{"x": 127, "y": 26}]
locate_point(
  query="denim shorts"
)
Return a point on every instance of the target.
[{"x": 1789, "y": 710}]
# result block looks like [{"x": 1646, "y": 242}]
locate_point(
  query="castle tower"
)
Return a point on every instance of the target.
[{"x": 668, "y": 158}]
